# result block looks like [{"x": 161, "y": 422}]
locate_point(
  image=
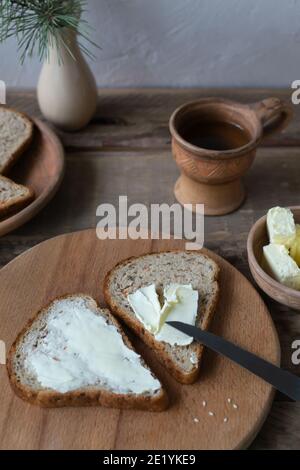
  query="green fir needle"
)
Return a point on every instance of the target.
[{"x": 33, "y": 22}]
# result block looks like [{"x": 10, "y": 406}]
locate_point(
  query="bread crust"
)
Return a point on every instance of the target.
[
  {"x": 25, "y": 144},
  {"x": 82, "y": 397},
  {"x": 12, "y": 206},
  {"x": 147, "y": 337}
]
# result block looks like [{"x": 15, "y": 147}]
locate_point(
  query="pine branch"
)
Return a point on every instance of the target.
[{"x": 36, "y": 23}]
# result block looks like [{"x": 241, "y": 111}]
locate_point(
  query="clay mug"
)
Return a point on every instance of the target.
[{"x": 213, "y": 177}]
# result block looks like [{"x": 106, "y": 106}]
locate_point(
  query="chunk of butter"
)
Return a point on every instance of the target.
[
  {"x": 81, "y": 349},
  {"x": 281, "y": 266},
  {"x": 146, "y": 306},
  {"x": 295, "y": 246},
  {"x": 184, "y": 309},
  {"x": 180, "y": 304},
  {"x": 281, "y": 226}
]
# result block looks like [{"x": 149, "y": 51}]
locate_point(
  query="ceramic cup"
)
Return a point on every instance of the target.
[{"x": 213, "y": 177}]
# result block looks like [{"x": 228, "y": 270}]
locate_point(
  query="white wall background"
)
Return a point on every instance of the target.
[{"x": 184, "y": 43}]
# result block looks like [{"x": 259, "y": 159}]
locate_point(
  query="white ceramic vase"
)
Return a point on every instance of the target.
[{"x": 67, "y": 91}]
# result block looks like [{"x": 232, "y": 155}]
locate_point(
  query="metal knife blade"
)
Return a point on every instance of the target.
[{"x": 282, "y": 380}]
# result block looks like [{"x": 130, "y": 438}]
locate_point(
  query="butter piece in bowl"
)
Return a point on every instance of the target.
[
  {"x": 281, "y": 226},
  {"x": 282, "y": 266},
  {"x": 295, "y": 246}
]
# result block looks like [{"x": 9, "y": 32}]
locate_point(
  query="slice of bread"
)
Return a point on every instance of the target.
[
  {"x": 13, "y": 196},
  {"x": 180, "y": 267},
  {"x": 16, "y": 132},
  {"x": 83, "y": 385}
]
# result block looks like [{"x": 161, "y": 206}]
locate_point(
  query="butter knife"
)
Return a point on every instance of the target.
[{"x": 282, "y": 380}]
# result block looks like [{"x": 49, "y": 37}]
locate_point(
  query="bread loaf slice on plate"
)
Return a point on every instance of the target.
[
  {"x": 73, "y": 353},
  {"x": 163, "y": 269},
  {"x": 13, "y": 196},
  {"x": 16, "y": 133}
]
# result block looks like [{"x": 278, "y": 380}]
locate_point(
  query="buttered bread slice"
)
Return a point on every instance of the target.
[
  {"x": 74, "y": 353},
  {"x": 149, "y": 290}
]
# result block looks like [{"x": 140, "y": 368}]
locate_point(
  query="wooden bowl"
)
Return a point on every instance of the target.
[
  {"x": 41, "y": 168},
  {"x": 258, "y": 238}
]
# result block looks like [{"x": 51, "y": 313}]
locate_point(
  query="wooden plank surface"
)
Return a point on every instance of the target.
[
  {"x": 139, "y": 118},
  {"x": 126, "y": 150}
]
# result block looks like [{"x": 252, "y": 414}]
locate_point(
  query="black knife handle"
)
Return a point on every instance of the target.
[{"x": 282, "y": 380}]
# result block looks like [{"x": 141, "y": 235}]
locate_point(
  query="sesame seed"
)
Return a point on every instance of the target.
[
  {"x": 225, "y": 420},
  {"x": 229, "y": 400},
  {"x": 204, "y": 403},
  {"x": 211, "y": 413},
  {"x": 235, "y": 406},
  {"x": 196, "y": 420}
]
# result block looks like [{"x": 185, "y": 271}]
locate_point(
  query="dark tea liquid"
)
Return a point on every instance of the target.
[{"x": 216, "y": 135}]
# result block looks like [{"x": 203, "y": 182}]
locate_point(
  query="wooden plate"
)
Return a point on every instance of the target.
[
  {"x": 42, "y": 169},
  {"x": 77, "y": 263}
]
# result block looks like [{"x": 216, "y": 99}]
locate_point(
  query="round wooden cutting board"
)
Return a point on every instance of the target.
[{"x": 78, "y": 262}]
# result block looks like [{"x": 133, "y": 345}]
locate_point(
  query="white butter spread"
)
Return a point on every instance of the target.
[
  {"x": 146, "y": 306},
  {"x": 282, "y": 266},
  {"x": 281, "y": 226},
  {"x": 180, "y": 304},
  {"x": 81, "y": 349}
]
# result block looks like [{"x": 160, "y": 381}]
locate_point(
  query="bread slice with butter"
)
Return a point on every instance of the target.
[
  {"x": 73, "y": 353},
  {"x": 16, "y": 133},
  {"x": 13, "y": 196},
  {"x": 191, "y": 270}
]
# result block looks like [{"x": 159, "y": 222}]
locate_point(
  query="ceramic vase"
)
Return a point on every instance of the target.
[{"x": 67, "y": 91}]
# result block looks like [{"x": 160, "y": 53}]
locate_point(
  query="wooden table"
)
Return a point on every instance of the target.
[{"x": 126, "y": 151}]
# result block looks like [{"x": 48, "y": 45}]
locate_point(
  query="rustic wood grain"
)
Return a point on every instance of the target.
[
  {"x": 281, "y": 431},
  {"x": 126, "y": 150},
  {"x": 139, "y": 118},
  {"x": 78, "y": 262}
]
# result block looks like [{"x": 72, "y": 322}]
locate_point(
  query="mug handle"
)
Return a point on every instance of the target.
[{"x": 273, "y": 113}]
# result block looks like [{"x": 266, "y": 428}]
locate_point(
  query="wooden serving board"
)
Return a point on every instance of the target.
[{"x": 77, "y": 263}]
